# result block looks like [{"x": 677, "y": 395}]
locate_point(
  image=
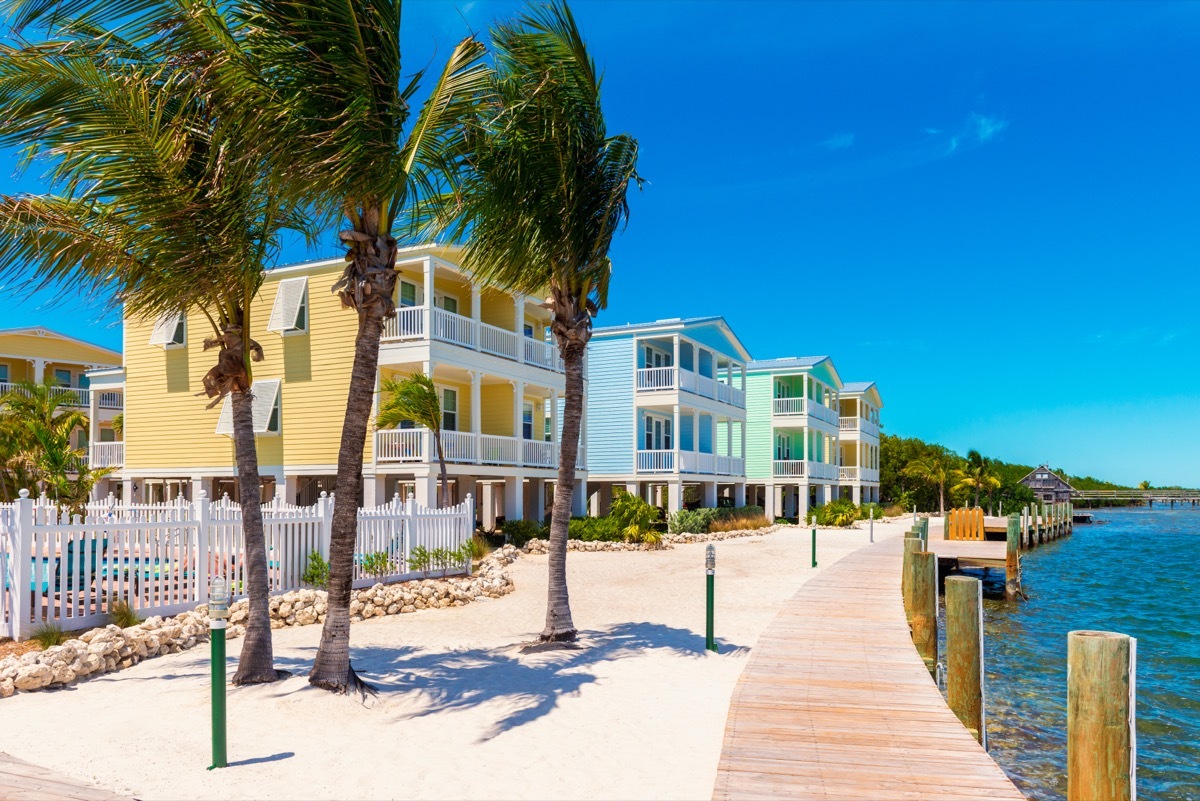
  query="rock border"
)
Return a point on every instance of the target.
[
  {"x": 538, "y": 547},
  {"x": 112, "y": 648}
]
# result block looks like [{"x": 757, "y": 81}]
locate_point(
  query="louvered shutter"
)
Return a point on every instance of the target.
[
  {"x": 164, "y": 329},
  {"x": 287, "y": 304},
  {"x": 266, "y": 397}
]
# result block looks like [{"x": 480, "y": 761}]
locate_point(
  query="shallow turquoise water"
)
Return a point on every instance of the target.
[{"x": 1134, "y": 571}]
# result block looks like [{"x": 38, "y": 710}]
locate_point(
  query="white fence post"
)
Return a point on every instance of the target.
[
  {"x": 325, "y": 512},
  {"x": 204, "y": 561},
  {"x": 22, "y": 564},
  {"x": 469, "y": 525}
]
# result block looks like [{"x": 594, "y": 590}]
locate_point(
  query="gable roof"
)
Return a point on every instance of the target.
[
  {"x": 42, "y": 331},
  {"x": 867, "y": 388},
  {"x": 676, "y": 324},
  {"x": 798, "y": 363},
  {"x": 1046, "y": 469}
]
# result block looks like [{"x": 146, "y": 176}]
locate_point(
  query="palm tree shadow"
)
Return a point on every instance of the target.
[{"x": 530, "y": 683}]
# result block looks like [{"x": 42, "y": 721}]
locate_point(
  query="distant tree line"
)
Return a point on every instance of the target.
[{"x": 935, "y": 478}]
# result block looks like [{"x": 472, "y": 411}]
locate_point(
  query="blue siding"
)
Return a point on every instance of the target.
[
  {"x": 610, "y": 405},
  {"x": 713, "y": 337},
  {"x": 706, "y": 443}
]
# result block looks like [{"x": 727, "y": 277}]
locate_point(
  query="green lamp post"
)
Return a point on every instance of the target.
[
  {"x": 710, "y": 569},
  {"x": 218, "y": 612}
]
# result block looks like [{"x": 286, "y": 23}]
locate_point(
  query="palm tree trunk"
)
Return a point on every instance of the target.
[
  {"x": 942, "y": 498},
  {"x": 331, "y": 669},
  {"x": 976, "y": 496},
  {"x": 437, "y": 440},
  {"x": 256, "y": 665},
  {"x": 559, "y": 625}
]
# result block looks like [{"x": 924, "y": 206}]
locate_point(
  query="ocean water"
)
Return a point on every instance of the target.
[{"x": 1133, "y": 571}]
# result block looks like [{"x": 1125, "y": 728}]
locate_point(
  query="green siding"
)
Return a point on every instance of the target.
[{"x": 758, "y": 426}]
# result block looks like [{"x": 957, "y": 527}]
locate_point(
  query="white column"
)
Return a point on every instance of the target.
[
  {"x": 514, "y": 494},
  {"x": 675, "y": 361},
  {"x": 487, "y": 504},
  {"x": 477, "y": 410},
  {"x": 739, "y": 494},
  {"x": 518, "y": 402},
  {"x": 373, "y": 491},
  {"x": 674, "y": 496},
  {"x": 425, "y": 490},
  {"x": 728, "y": 436},
  {"x": 710, "y": 494},
  {"x": 519, "y": 325},
  {"x": 594, "y": 504},
  {"x": 429, "y": 290},
  {"x": 802, "y": 501},
  {"x": 291, "y": 488},
  {"x": 675, "y": 435},
  {"x": 777, "y": 501},
  {"x": 554, "y": 433},
  {"x": 579, "y": 499},
  {"x": 539, "y": 498},
  {"x": 198, "y": 487},
  {"x": 476, "y": 311}
]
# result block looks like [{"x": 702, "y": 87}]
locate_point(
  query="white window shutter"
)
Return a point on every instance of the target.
[
  {"x": 287, "y": 304},
  {"x": 164, "y": 329},
  {"x": 266, "y": 396}
]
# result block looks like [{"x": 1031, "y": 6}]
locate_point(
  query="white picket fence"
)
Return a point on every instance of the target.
[{"x": 160, "y": 558}]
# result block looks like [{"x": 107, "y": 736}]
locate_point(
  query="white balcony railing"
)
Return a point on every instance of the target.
[
  {"x": 823, "y": 413},
  {"x": 731, "y": 466},
  {"x": 465, "y": 447},
  {"x": 651, "y": 379},
  {"x": 789, "y": 468},
  {"x": 859, "y": 424},
  {"x": 106, "y": 454},
  {"x": 400, "y": 445},
  {"x": 692, "y": 462},
  {"x": 409, "y": 324},
  {"x": 727, "y": 393},
  {"x": 849, "y": 423},
  {"x": 535, "y": 453},
  {"x": 788, "y": 407},
  {"x": 656, "y": 379},
  {"x": 847, "y": 473},
  {"x": 656, "y": 461},
  {"x": 74, "y": 396},
  {"x": 821, "y": 470},
  {"x": 458, "y": 446}
]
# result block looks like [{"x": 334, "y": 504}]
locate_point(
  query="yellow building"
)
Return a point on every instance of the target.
[
  {"x": 500, "y": 382},
  {"x": 39, "y": 354}
]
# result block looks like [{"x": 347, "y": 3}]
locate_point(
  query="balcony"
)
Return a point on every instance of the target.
[
  {"x": 74, "y": 396},
  {"x": 409, "y": 325},
  {"x": 798, "y": 468},
  {"x": 106, "y": 454},
  {"x": 664, "y": 461},
  {"x": 849, "y": 425},
  {"x": 416, "y": 446},
  {"x": 799, "y": 407},
  {"x": 667, "y": 379},
  {"x": 853, "y": 473}
]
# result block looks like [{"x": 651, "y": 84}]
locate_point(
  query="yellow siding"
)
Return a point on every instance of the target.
[
  {"x": 496, "y": 401},
  {"x": 52, "y": 348},
  {"x": 464, "y": 400},
  {"x": 167, "y": 426},
  {"x": 498, "y": 309}
]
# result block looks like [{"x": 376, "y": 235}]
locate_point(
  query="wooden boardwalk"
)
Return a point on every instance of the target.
[
  {"x": 836, "y": 704},
  {"x": 21, "y": 781},
  {"x": 968, "y": 553}
]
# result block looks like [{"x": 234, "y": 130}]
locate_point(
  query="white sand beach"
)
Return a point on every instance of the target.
[{"x": 637, "y": 711}]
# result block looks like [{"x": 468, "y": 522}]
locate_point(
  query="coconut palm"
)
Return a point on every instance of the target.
[
  {"x": 976, "y": 477},
  {"x": 543, "y": 191},
  {"x": 150, "y": 208},
  {"x": 414, "y": 399},
  {"x": 934, "y": 469}
]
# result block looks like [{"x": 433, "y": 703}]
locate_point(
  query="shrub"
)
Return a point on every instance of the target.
[
  {"x": 691, "y": 521},
  {"x": 740, "y": 523},
  {"x": 376, "y": 564},
  {"x": 49, "y": 634},
  {"x": 841, "y": 512},
  {"x": 633, "y": 516},
  {"x": 316, "y": 574},
  {"x": 864, "y": 511},
  {"x": 594, "y": 529},
  {"x": 475, "y": 548},
  {"x": 519, "y": 532},
  {"x": 122, "y": 614},
  {"x": 420, "y": 559},
  {"x": 895, "y": 510}
]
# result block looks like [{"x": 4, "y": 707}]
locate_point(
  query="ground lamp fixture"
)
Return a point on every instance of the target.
[
  {"x": 814, "y": 540},
  {"x": 218, "y": 612},
  {"x": 710, "y": 570}
]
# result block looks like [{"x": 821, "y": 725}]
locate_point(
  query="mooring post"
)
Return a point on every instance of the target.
[
  {"x": 964, "y": 652},
  {"x": 924, "y": 607},
  {"x": 1012, "y": 560},
  {"x": 1101, "y": 734},
  {"x": 911, "y": 545}
]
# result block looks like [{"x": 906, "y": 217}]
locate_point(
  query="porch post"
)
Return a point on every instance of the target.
[
  {"x": 514, "y": 492},
  {"x": 476, "y": 305},
  {"x": 674, "y": 495},
  {"x": 519, "y": 325},
  {"x": 518, "y": 405},
  {"x": 476, "y": 411},
  {"x": 675, "y": 437},
  {"x": 428, "y": 271},
  {"x": 739, "y": 494}
]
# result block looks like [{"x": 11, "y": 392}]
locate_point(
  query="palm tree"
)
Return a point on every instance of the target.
[
  {"x": 934, "y": 469},
  {"x": 977, "y": 477},
  {"x": 415, "y": 399},
  {"x": 151, "y": 209},
  {"x": 543, "y": 191}
]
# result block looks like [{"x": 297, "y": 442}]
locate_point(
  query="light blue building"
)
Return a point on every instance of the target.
[{"x": 666, "y": 413}]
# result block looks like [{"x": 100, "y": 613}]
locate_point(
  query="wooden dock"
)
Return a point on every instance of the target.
[
  {"x": 969, "y": 553},
  {"x": 835, "y": 703},
  {"x": 21, "y": 781}
]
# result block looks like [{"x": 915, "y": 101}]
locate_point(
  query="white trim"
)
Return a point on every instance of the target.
[
  {"x": 290, "y": 298},
  {"x": 165, "y": 327},
  {"x": 262, "y": 391}
]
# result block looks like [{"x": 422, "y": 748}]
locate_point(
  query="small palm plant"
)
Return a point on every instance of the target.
[
  {"x": 635, "y": 517},
  {"x": 415, "y": 399}
]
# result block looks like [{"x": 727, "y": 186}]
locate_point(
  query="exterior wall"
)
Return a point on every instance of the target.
[
  {"x": 496, "y": 409},
  {"x": 710, "y": 336},
  {"x": 55, "y": 349},
  {"x": 610, "y": 416},
  {"x": 759, "y": 435},
  {"x": 167, "y": 426},
  {"x": 496, "y": 309}
]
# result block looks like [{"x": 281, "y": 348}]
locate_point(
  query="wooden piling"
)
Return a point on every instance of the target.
[
  {"x": 1012, "y": 560},
  {"x": 1101, "y": 735},
  {"x": 911, "y": 545},
  {"x": 964, "y": 653},
  {"x": 924, "y": 607}
]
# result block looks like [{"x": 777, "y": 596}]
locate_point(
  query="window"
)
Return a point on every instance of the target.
[
  {"x": 783, "y": 447},
  {"x": 783, "y": 389},
  {"x": 666, "y": 441},
  {"x": 449, "y": 410},
  {"x": 3, "y": 373},
  {"x": 289, "y": 315},
  {"x": 62, "y": 377},
  {"x": 409, "y": 294},
  {"x": 529, "y": 330},
  {"x": 170, "y": 331},
  {"x": 449, "y": 304},
  {"x": 267, "y": 409},
  {"x": 658, "y": 434},
  {"x": 649, "y": 433},
  {"x": 108, "y": 435},
  {"x": 527, "y": 421}
]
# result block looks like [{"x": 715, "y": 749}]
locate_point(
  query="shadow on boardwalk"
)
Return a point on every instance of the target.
[{"x": 533, "y": 682}]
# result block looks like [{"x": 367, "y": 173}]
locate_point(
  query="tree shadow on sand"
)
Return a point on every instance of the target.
[{"x": 530, "y": 683}]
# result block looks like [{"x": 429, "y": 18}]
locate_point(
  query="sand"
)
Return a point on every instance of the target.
[{"x": 638, "y": 711}]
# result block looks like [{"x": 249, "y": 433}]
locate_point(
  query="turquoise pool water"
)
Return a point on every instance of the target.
[{"x": 1133, "y": 571}]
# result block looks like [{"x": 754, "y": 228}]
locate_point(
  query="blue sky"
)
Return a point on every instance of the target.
[{"x": 992, "y": 210}]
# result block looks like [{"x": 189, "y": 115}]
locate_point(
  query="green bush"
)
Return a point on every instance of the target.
[
  {"x": 841, "y": 512},
  {"x": 49, "y": 634},
  {"x": 476, "y": 548},
  {"x": 633, "y": 516},
  {"x": 376, "y": 564},
  {"x": 519, "y": 532},
  {"x": 122, "y": 614},
  {"x": 700, "y": 521},
  {"x": 316, "y": 574},
  {"x": 594, "y": 529},
  {"x": 420, "y": 560},
  {"x": 864, "y": 511}
]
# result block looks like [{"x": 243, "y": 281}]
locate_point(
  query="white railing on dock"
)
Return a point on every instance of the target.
[{"x": 160, "y": 558}]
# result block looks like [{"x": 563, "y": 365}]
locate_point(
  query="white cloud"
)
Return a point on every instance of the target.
[
  {"x": 985, "y": 128},
  {"x": 839, "y": 141}
]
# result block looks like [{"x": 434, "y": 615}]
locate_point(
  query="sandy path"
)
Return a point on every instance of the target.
[{"x": 638, "y": 712}]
